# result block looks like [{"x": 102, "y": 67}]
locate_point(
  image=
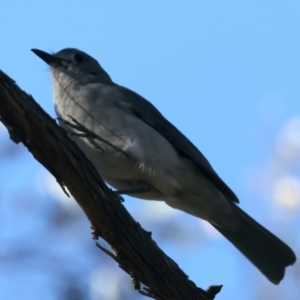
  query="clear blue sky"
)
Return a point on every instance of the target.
[{"x": 225, "y": 73}]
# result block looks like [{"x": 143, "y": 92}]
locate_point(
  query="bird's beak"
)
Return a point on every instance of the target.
[{"x": 46, "y": 57}]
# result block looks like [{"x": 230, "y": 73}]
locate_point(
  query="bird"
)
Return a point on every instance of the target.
[{"x": 141, "y": 154}]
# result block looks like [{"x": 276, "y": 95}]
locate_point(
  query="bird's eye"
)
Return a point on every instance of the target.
[{"x": 78, "y": 58}]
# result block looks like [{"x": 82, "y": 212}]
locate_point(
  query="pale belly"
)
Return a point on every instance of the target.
[{"x": 127, "y": 172}]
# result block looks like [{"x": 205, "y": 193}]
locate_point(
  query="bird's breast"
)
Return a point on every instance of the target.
[{"x": 127, "y": 149}]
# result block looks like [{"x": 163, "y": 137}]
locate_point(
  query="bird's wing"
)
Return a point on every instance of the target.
[{"x": 143, "y": 109}]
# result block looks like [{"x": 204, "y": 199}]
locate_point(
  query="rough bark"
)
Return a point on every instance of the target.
[{"x": 154, "y": 273}]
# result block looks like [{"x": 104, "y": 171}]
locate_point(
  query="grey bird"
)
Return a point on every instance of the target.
[{"x": 145, "y": 156}]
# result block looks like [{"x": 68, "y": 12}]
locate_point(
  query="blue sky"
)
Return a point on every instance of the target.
[{"x": 225, "y": 73}]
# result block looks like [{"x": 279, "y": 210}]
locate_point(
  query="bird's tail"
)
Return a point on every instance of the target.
[{"x": 267, "y": 252}]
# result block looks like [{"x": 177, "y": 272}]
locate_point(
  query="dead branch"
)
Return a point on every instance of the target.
[{"x": 133, "y": 247}]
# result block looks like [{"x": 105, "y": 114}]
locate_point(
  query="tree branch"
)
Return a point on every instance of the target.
[{"x": 133, "y": 247}]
